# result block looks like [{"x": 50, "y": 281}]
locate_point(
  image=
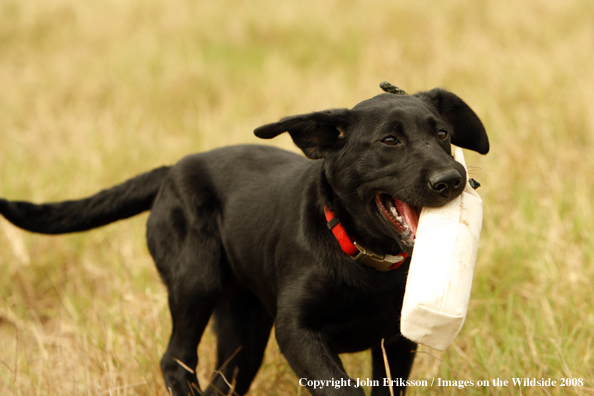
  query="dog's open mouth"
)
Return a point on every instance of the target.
[{"x": 404, "y": 218}]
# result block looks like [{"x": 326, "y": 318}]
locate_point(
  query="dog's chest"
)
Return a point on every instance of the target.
[{"x": 352, "y": 319}]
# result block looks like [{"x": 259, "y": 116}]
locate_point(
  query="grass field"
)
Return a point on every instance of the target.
[{"x": 94, "y": 92}]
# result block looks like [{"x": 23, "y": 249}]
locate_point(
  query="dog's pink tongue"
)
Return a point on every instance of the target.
[{"x": 410, "y": 214}]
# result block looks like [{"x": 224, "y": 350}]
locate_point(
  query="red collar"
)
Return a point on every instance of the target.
[{"x": 357, "y": 252}]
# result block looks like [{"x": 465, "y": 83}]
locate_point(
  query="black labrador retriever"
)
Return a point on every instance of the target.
[{"x": 254, "y": 235}]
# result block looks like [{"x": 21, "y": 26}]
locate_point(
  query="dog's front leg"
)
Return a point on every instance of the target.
[
  {"x": 318, "y": 367},
  {"x": 400, "y": 353}
]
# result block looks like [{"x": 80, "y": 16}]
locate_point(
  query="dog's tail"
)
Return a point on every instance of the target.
[{"x": 120, "y": 202}]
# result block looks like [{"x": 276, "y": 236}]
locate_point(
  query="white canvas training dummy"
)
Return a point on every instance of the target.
[{"x": 440, "y": 274}]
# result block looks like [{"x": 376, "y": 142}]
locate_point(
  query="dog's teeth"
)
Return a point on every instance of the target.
[
  {"x": 397, "y": 216},
  {"x": 394, "y": 211}
]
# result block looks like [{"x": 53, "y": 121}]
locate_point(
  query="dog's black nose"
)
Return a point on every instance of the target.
[{"x": 446, "y": 183}]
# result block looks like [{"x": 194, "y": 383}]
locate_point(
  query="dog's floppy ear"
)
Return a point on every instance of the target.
[
  {"x": 469, "y": 131},
  {"x": 315, "y": 133}
]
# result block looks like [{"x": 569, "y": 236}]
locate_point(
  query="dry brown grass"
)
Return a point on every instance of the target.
[{"x": 92, "y": 93}]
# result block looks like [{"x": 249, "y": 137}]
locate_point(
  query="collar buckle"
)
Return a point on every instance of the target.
[{"x": 379, "y": 262}]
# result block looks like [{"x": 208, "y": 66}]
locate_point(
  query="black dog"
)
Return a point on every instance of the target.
[{"x": 241, "y": 233}]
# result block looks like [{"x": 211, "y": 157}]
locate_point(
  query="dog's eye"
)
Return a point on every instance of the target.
[
  {"x": 390, "y": 141},
  {"x": 442, "y": 134}
]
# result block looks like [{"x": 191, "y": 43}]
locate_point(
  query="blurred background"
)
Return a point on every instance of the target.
[{"x": 95, "y": 92}]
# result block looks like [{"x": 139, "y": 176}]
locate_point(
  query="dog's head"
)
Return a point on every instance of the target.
[{"x": 389, "y": 156}]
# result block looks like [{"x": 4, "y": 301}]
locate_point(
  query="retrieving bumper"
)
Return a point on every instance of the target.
[{"x": 440, "y": 275}]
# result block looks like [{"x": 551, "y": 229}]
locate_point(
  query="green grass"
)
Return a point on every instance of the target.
[{"x": 94, "y": 92}]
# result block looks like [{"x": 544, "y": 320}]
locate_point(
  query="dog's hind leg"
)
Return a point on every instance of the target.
[
  {"x": 192, "y": 267},
  {"x": 242, "y": 327},
  {"x": 400, "y": 353},
  {"x": 184, "y": 239},
  {"x": 192, "y": 298}
]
